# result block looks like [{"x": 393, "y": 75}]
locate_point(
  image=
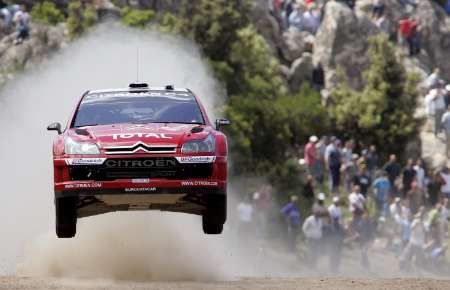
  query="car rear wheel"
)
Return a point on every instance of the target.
[
  {"x": 66, "y": 217},
  {"x": 214, "y": 216}
]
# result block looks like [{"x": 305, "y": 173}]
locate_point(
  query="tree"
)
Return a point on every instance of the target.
[{"x": 383, "y": 112}]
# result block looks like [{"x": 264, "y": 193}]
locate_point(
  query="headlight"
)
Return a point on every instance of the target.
[
  {"x": 72, "y": 147},
  {"x": 207, "y": 145}
]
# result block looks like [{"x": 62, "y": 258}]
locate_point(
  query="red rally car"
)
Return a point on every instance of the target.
[{"x": 140, "y": 148}]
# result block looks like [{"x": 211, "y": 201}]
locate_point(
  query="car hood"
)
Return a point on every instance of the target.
[{"x": 129, "y": 134}]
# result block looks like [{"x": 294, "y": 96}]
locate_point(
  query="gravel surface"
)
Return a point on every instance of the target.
[{"x": 244, "y": 283}]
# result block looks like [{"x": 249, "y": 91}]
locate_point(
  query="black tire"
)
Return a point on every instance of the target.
[
  {"x": 211, "y": 228},
  {"x": 214, "y": 216},
  {"x": 66, "y": 217}
]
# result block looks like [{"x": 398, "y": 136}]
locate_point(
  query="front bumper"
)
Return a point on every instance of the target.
[{"x": 139, "y": 186}]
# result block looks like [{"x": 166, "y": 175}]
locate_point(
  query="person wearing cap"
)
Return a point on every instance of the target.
[
  {"x": 446, "y": 127},
  {"x": 292, "y": 216},
  {"x": 310, "y": 155},
  {"x": 334, "y": 210},
  {"x": 319, "y": 208}
]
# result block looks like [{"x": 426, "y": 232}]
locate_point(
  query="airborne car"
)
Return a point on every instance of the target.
[{"x": 139, "y": 148}]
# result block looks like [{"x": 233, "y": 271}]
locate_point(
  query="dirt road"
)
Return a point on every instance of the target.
[{"x": 245, "y": 283}]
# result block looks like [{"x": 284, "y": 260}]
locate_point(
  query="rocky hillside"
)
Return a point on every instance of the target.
[{"x": 341, "y": 42}]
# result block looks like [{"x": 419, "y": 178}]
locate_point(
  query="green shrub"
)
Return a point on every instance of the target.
[
  {"x": 137, "y": 18},
  {"x": 383, "y": 112},
  {"x": 47, "y": 12},
  {"x": 80, "y": 18}
]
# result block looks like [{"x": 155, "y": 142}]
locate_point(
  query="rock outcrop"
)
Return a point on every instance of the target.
[
  {"x": 342, "y": 42},
  {"x": 42, "y": 42}
]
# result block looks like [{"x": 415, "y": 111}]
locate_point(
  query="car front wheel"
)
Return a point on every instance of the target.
[{"x": 66, "y": 217}]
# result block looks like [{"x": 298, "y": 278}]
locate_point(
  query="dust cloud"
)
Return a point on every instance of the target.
[{"x": 143, "y": 245}]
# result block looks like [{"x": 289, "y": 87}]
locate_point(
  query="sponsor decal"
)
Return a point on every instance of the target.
[
  {"x": 141, "y": 189},
  {"x": 199, "y": 183},
  {"x": 141, "y": 135},
  {"x": 83, "y": 185},
  {"x": 149, "y": 163},
  {"x": 196, "y": 159},
  {"x": 85, "y": 161},
  {"x": 140, "y": 180}
]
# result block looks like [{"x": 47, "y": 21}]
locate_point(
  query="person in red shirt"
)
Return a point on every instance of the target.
[
  {"x": 404, "y": 30},
  {"x": 310, "y": 155}
]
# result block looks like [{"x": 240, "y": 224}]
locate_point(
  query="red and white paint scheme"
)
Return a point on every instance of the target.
[{"x": 140, "y": 148}]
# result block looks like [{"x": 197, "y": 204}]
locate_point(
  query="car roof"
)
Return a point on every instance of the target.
[{"x": 126, "y": 90}]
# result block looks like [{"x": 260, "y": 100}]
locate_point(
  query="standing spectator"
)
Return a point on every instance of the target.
[
  {"x": 321, "y": 148},
  {"x": 404, "y": 30},
  {"x": 318, "y": 78},
  {"x": 446, "y": 126},
  {"x": 312, "y": 229},
  {"x": 245, "y": 214},
  {"x": 433, "y": 188},
  {"x": 433, "y": 79},
  {"x": 420, "y": 176},
  {"x": 364, "y": 230},
  {"x": 445, "y": 215},
  {"x": 319, "y": 208},
  {"x": 447, "y": 95},
  {"x": 393, "y": 170},
  {"x": 296, "y": 17},
  {"x": 311, "y": 19},
  {"x": 357, "y": 202},
  {"x": 291, "y": 213},
  {"x": 414, "y": 37},
  {"x": 308, "y": 189},
  {"x": 416, "y": 244},
  {"x": 384, "y": 24},
  {"x": 408, "y": 175},
  {"x": 372, "y": 160},
  {"x": 333, "y": 161},
  {"x": 445, "y": 187},
  {"x": 336, "y": 235},
  {"x": 362, "y": 178},
  {"x": 436, "y": 102},
  {"x": 377, "y": 8},
  {"x": 381, "y": 188},
  {"x": 350, "y": 169},
  {"x": 22, "y": 21},
  {"x": 334, "y": 210},
  {"x": 310, "y": 155}
]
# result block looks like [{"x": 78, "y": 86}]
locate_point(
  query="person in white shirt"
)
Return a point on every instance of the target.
[
  {"x": 335, "y": 210},
  {"x": 415, "y": 247},
  {"x": 357, "y": 201},
  {"x": 245, "y": 215},
  {"x": 438, "y": 102},
  {"x": 312, "y": 229}
]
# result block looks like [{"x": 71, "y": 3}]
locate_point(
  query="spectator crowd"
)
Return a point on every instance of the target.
[
  {"x": 351, "y": 199},
  {"x": 15, "y": 19}
]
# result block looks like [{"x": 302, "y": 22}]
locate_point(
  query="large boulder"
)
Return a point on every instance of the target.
[
  {"x": 295, "y": 43},
  {"x": 342, "y": 42},
  {"x": 301, "y": 71},
  {"x": 435, "y": 36}
]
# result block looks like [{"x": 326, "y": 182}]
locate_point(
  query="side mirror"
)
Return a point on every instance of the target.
[
  {"x": 55, "y": 127},
  {"x": 221, "y": 123}
]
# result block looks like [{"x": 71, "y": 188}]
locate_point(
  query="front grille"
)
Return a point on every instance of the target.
[
  {"x": 158, "y": 167},
  {"x": 141, "y": 147}
]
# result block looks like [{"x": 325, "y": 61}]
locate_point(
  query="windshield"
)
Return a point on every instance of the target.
[{"x": 140, "y": 108}]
